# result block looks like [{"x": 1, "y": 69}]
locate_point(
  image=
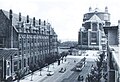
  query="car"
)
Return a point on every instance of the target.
[
  {"x": 80, "y": 78},
  {"x": 62, "y": 70},
  {"x": 50, "y": 73},
  {"x": 79, "y": 66}
]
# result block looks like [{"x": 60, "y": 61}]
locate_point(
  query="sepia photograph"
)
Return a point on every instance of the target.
[{"x": 59, "y": 41}]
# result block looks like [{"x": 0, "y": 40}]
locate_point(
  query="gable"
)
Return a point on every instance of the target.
[{"x": 95, "y": 18}]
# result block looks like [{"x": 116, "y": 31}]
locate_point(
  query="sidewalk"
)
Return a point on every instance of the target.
[{"x": 36, "y": 76}]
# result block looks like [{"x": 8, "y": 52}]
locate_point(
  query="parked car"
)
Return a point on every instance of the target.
[
  {"x": 50, "y": 73},
  {"x": 62, "y": 70}
]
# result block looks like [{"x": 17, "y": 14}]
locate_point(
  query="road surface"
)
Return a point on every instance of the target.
[{"x": 70, "y": 75}]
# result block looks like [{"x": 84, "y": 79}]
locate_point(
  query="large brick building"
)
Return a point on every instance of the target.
[
  {"x": 26, "y": 42},
  {"x": 91, "y": 34}
]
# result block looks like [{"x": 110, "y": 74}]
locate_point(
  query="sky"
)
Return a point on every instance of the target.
[{"x": 65, "y": 16}]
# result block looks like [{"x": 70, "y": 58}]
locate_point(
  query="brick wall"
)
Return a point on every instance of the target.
[{"x": 112, "y": 36}]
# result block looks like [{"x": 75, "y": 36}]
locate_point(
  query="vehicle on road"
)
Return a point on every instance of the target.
[
  {"x": 80, "y": 78},
  {"x": 62, "y": 70},
  {"x": 50, "y": 73},
  {"x": 79, "y": 67}
]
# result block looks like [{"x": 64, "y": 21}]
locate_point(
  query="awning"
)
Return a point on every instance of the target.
[{"x": 7, "y": 53}]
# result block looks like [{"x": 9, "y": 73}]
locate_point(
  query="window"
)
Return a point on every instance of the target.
[
  {"x": 35, "y": 59},
  {"x": 15, "y": 65},
  {"x": 19, "y": 64},
  {"x": 1, "y": 42},
  {"x": 100, "y": 26},
  {"x": 94, "y": 27},
  {"x": 8, "y": 68},
  {"x": 94, "y": 35},
  {"x": 20, "y": 40},
  {"x": 28, "y": 40},
  {"x": 24, "y": 62},
  {"x": 20, "y": 53},
  {"x": 15, "y": 54},
  {"x": 93, "y": 38},
  {"x": 28, "y": 61},
  {"x": 24, "y": 40}
]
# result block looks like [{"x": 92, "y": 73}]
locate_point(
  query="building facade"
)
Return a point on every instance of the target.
[
  {"x": 113, "y": 55},
  {"x": 91, "y": 34},
  {"x": 33, "y": 39}
]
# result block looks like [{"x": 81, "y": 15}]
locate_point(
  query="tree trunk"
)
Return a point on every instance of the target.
[{"x": 40, "y": 73}]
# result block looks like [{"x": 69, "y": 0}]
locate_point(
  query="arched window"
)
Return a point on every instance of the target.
[
  {"x": 100, "y": 26},
  {"x": 94, "y": 27}
]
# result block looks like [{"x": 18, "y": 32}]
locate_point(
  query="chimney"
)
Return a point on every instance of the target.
[
  {"x": 19, "y": 17},
  {"x": 106, "y": 9},
  {"x": 27, "y": 18},
  {"x": 34, "y": 21},
  {"x": 11, "y": 28},
  {"x": 10, "y": 16},
  {"x": 44, "y": 22},
  {"x": 90, "y": 9},
  {"x": 96, "y": 9},
  {"x": 39, "y": 21}
]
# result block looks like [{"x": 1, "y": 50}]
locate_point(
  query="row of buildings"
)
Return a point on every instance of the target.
[
  {"x": 97, "y": 33},
  {"x": 24, "y": 41}
]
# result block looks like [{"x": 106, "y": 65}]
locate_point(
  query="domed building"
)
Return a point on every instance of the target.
[{"x": 91, "y": 35}]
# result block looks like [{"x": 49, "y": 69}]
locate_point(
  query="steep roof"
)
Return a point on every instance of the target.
[
  {"x": 15, "y": 18},
  {"x": 94, "y": 18}
]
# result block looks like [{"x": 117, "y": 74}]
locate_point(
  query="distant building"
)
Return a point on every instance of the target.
[
  {"x": 91, "y": 34},
  {"x": 33, "y": 40}
]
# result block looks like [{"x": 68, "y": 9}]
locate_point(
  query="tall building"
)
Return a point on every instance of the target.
[
  {"x": 24, "y": 41},
  {"x": 91, "y": 34}
]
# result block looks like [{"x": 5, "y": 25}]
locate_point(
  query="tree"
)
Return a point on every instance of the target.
[
  {"x": 48, "y": 61},
  {"x": 40, "y": 65},
  {"x": 18, "y": 75},
  {"x": 99, "y": 63}
]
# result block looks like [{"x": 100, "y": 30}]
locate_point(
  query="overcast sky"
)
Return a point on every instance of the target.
[{"x": 64, "y": 15}]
